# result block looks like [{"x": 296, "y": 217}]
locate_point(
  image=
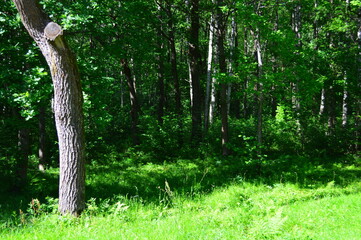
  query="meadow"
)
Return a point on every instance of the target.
[{"x": 129, "y": 199}]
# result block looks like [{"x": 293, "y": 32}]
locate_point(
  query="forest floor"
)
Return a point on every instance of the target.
[{"x": 288, "y": 198}]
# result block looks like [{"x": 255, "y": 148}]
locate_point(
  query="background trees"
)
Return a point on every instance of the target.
[{"x": 284, "y": 77}]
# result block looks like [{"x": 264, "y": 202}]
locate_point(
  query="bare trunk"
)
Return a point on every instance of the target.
[
  {"x": 344, "y": 104},
  {"x": 209, "y": 75},
  {"x": 42, "y": 140},
  {"x": 296, "y": 24},
  {"x": 190, "y": 84},
  {"x": 322, "y": 102},
  {"x": 295, "y": 100},
  {"x": 358, "y": 104},
  {"x": 194, "y": 64},
  {"x": 160, "y": 71},
  {"x": 331, "y": 103},
  {"x": 212, "y": 104},
  {"x": 23, "y": 160},
  {"x": 134, "y": 112},
  {"x": 221, "y": 30},
  {"x": 229, "y": 92},
  {"x": 260, "y": 92},
  {"x": 296, "y": 18},
  {"x": 232, "y": 62},
  {"x": 161, "y": 92},
  {"x": 68, "y": 101},
  {"x": 173, "y": 60},
  {"x": 245, "y": 81},
  {"x": 121, "y": 93}
]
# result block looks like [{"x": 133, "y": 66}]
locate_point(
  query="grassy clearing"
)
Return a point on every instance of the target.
[
  {"x": 129, "y": 199},
  {"x": 238, "y": 211}
]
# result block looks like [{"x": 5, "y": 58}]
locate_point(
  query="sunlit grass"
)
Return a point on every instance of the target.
[
  {"x": 294, "y": 198},
  {"x": 237, "y": 211}
]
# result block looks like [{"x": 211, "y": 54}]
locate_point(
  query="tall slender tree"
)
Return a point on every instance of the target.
[
  {"x": 221, "y": 32},
  {"x": 42, "y": 139},
  {"x": 194, "y": 65},
  {"x": 134, "y": 112},
  {"x": 209, "y": 75}
]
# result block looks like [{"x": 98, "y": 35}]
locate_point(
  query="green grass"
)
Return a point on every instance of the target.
[
  {"x": 194, "y": 200},
  {"x": 238, "y": 211}
]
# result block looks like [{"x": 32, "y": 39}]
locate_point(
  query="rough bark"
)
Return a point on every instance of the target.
[{"x": 67, "y": 106}]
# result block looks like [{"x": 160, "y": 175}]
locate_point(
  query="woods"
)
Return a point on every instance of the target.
[{"x": 229, "y": 85}]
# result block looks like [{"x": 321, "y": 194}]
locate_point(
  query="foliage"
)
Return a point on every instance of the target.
[{"x": 166, "y": 187}]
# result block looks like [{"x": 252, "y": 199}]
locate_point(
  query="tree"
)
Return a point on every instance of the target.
[
  {"x": 209, "y": 75},
  {"x": 194, "y": 64},
  {"x": 134, "y": 112},
  {"x": 221, "y": 31},
  {"x": 67, "y": 103}
]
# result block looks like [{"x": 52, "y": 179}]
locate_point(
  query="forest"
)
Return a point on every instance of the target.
[{"x": 180, "y": 119}]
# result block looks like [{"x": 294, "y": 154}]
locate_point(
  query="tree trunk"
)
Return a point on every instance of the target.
[
  {"x": 160, "y": 61},
  {"x": 173, "y": 60},
  {"x": 67, "y": 105},
  {"x": 42, "y": 140},
  {"x": 190, "y": 84},
  {"x": 221, "y": 30},
  {"x": 331, "y": 111},
  {"x": 121, "y": 93},
  {"x": 344, "y": 103},
  {"x": 296, "y": 25},
  {"x": 322, "y": 102},
  {"x": 161, "y": 99},
  {"x": 259, "y": 88},
  {"x": 232, "y": 60},
  {"x": 209, "y": 75},
  {"x": 134, "y": 112},
  {"x": 23, "y": 160},
  {"x": 194, "y": 63},
  {"x": 212, "y": 104},
  {"x": 260, "y": 92},
  {"x": 245, "y": 84},
  {"x": 358, "y": 92}
]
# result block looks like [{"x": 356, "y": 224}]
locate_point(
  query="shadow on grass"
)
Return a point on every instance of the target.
[
  {"x": 151, "y": 182},
  {"x": 192, "y": 177},
  {"x": 15, "y": 198}
]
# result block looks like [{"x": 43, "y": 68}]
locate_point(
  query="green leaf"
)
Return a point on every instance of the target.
[{"x": 356, "y": 3}]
